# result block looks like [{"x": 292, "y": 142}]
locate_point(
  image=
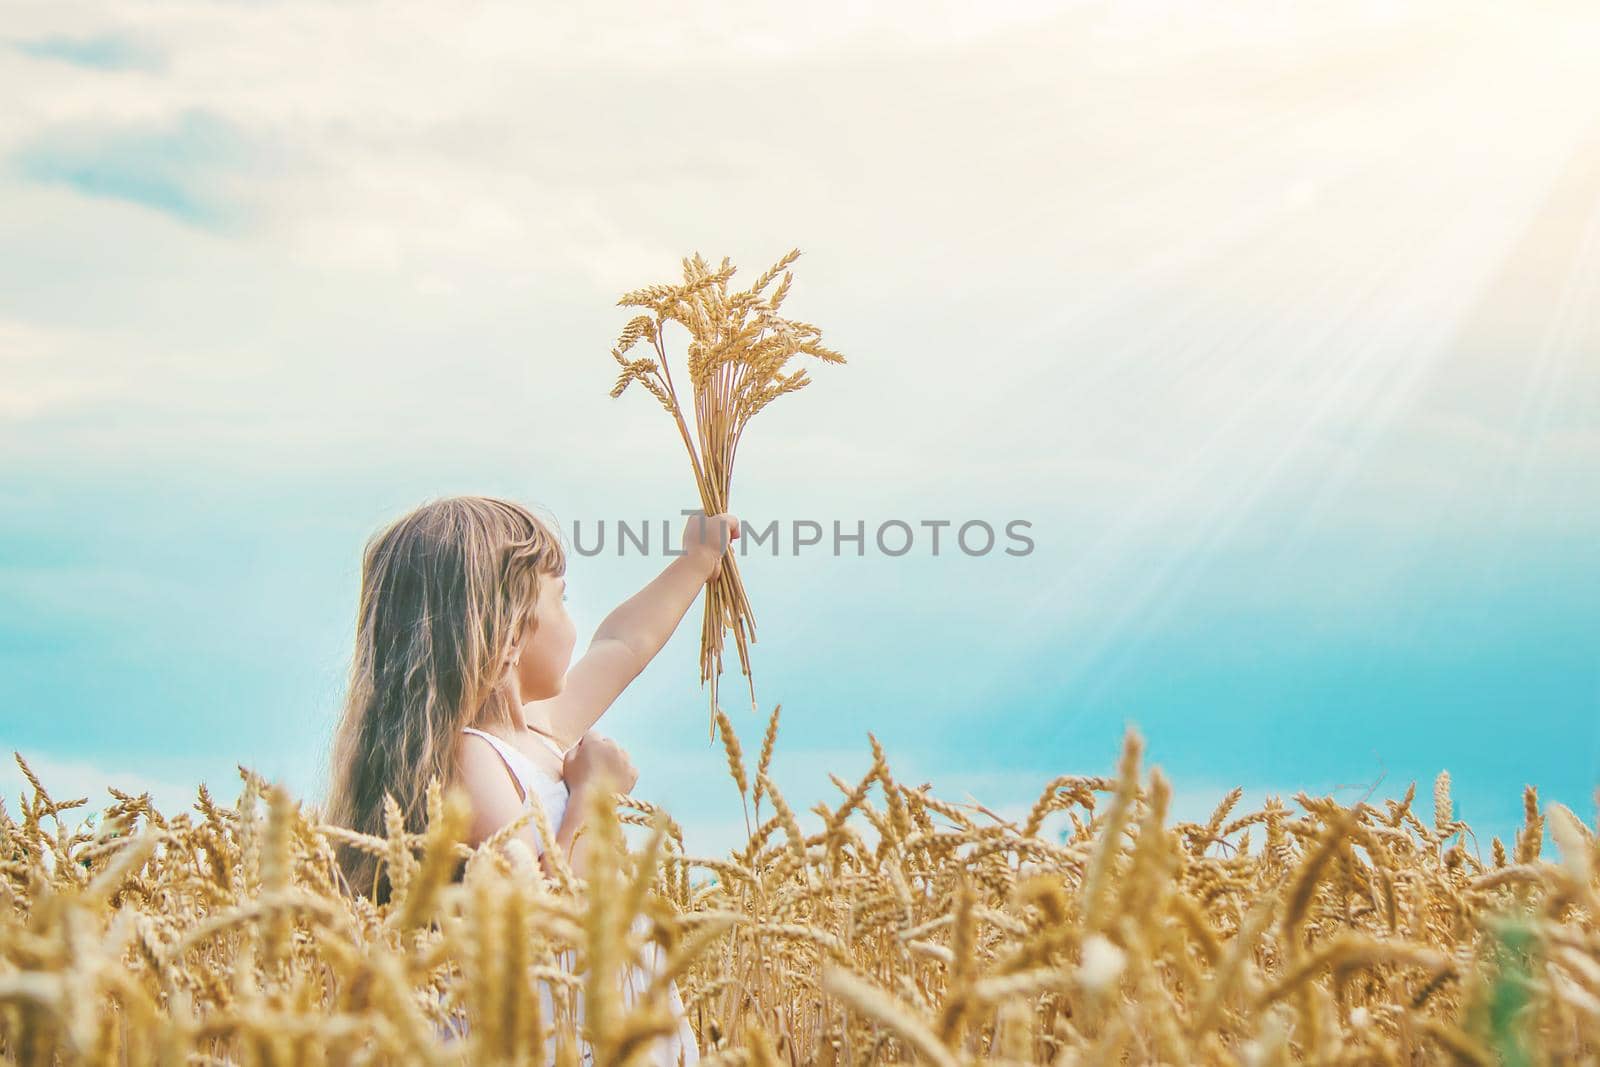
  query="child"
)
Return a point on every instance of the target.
[{"x": 461, "y": 671}]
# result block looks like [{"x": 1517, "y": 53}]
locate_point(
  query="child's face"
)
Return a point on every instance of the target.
[{"x": 545, "y": 653}]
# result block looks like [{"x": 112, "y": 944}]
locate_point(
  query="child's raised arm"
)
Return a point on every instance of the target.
[{"x": 629, "y": 638}]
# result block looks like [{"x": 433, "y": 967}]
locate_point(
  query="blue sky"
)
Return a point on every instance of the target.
[{"x": 1281, "y": 329}]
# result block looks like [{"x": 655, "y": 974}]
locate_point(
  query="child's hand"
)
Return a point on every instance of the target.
[
  {"x": 595, "y": 757},
  {"x": 707, "y": 540}
]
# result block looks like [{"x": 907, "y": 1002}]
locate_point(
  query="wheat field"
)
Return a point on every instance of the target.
[{"x": 905, "y": 929}]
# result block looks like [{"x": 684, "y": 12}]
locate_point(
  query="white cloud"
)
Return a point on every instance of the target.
[
  {"x": 489, "y": 177},
  {"x": 32, "y": 362}
]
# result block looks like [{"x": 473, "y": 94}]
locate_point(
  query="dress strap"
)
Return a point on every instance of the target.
[
  {"x": 506, "y": 753},
  {"x": 550, "y": 741}
]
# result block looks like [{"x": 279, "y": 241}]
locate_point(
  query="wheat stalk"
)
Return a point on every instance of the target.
[{"x": 736, "y": 354}]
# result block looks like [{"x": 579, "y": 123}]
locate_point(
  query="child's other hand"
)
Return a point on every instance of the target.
[
  {"x": 595, "y": 757},
  {"x": 707, "y": 539}
]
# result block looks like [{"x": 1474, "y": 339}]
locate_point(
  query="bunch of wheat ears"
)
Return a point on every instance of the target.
[
  {"x": 896, "y": 927},
  {"x": 738, "y": 348}
]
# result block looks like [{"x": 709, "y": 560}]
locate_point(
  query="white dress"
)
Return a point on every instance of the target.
[{"x": 673, "y": 1051}]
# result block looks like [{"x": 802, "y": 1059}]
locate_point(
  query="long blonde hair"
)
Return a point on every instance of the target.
[{"x": 446, "y": 591}]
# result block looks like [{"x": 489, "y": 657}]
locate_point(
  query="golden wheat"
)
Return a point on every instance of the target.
[
  {"x": 903, "y": 927},
  {"x": 737, "y": 351}
]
